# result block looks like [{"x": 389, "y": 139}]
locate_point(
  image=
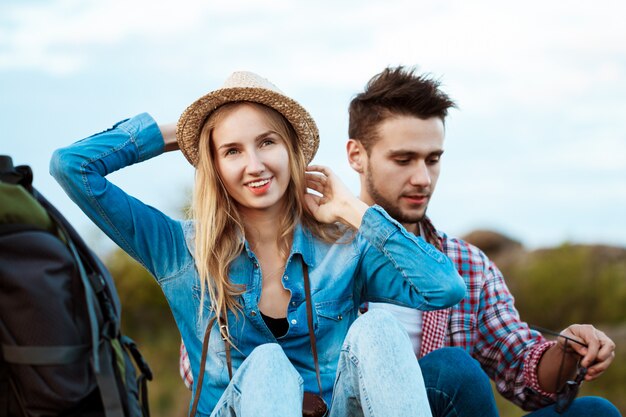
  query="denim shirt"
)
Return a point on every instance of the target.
[{"x": 382, "y": 263}]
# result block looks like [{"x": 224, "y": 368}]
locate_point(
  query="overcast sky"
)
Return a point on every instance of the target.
[{"x": 537, "y": 149}]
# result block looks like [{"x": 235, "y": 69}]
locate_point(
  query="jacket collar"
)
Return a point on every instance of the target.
[{"x": 302, "y": 244}]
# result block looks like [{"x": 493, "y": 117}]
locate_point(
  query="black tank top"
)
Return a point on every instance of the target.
[{"x": 278, "y": 327}]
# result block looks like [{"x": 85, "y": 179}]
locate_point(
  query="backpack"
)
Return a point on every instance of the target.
[{"x": 61, "y": 349}]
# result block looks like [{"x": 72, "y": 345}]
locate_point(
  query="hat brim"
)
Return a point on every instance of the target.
[{"x": 193, "y": 118}]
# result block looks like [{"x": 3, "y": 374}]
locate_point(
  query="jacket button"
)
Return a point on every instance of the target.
[
  {"x": 253, "y": 313},
  {"x": 340, "y": 317},
  {"x": 294, "y": 321}
]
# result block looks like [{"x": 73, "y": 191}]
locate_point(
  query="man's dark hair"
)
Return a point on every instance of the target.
[{"x": 396, "y": 91}]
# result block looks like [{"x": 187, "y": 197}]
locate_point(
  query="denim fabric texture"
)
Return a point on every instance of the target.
[
  {"x": 458, "y": 387},
  {"x": 456, "y": 384},
  {"x": 377, "y": 376},
  {"x": 581, "y": 407},
  {"x": 377, "y": 373},
  {"x": 373, "y": 266}
]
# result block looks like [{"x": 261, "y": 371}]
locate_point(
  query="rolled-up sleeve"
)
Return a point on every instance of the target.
[
  {"x": 139, "y": 229},
  {"x": 400, "y": 268}
]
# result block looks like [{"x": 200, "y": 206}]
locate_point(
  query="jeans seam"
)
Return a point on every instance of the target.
[
  {"x": 448, "y": 400},
  {"x": 355, "y": 362}
]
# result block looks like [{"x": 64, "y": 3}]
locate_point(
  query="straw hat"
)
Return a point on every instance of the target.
[{"x": 245, "y": 86}]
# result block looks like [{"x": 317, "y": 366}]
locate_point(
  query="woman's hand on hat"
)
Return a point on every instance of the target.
[
  {"x": 168, "y": 131},
  {"x": 331, "y": 201}
]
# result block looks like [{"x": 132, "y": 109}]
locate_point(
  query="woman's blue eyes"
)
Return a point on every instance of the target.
[{"x": 264, "y": 143}]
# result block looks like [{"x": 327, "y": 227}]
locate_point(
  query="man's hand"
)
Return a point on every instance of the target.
[{"x": 598, "y": 354}]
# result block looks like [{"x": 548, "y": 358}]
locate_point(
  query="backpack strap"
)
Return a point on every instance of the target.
[
  {"x": 144, "y": 369},
  {"x": 43, "y": 355},
  {"x": 4, "y": 387},
  {"x": 107, "y": 382},
  {"x": 90, "y": 296}
]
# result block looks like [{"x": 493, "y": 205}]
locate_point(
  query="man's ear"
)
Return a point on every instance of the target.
[{"x": 357, "y": 158}]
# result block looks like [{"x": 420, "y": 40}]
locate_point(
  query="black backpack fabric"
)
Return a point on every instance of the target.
[{"x": 62, "y": 352}]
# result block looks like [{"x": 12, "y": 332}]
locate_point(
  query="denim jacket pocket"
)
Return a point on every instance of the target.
[
  {"x": 333, "y": 312},
  {"x": 216, "y": 344}
]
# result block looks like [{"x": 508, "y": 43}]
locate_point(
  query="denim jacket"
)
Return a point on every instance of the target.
[{"x": 374, "y": 266}]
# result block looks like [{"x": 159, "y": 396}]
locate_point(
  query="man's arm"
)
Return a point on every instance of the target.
[
  {"x": 596, "y": 357},
  {"x": 523, "y": 364},
  {"x": 487, "y": 323}
]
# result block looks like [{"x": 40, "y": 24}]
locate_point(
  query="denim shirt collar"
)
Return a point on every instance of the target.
[{"x": 302, "y": 244}]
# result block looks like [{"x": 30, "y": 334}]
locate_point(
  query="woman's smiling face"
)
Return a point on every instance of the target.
[{"x": 251, "y": 158}]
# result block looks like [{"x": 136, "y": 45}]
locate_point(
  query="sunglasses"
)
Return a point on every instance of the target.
[{"x": 569, "y": 391}]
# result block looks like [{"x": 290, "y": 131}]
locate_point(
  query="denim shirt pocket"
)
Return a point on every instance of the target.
[
  {"x": 216, "y": 344},
  {"x": 333, "y": 312}
]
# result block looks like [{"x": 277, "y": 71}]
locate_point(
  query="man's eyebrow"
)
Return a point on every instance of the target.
[
  {"x": 409, "y": 154},
  {"x": 401, "y": 152}
]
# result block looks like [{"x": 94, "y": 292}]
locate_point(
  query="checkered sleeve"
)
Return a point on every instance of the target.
[
  {"x": 487, "y": 324},
  {"x": 185, "y": 367},
  {"x": 508, "y": 350}
]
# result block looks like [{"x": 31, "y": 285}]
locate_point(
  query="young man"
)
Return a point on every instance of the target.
[{"x": 397, "y": 135}]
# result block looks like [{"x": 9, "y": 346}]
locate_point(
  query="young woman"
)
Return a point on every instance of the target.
[{"x": 256, "y": 233}]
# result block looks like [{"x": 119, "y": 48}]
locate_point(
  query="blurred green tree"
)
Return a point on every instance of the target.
[
  {"x": 556, "y": 287},
  {"x": 147, "y": 319}
]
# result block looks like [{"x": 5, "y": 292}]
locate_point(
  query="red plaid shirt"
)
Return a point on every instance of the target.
[{"x": 485, "y": 323}]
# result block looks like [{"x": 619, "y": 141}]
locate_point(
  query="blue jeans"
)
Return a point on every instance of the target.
[
  {"x": 377, "y": 376},
  {"x": 581, "y": 407},
  {"x": 457, "y": 386}
]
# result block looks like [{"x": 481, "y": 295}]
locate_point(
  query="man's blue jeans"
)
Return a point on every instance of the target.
[
  {"x": 581, "y": 407},
  {"x": 457, "y": 386}
]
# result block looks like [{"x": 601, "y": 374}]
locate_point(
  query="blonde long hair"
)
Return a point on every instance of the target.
[{"x": 220, "y": 232}]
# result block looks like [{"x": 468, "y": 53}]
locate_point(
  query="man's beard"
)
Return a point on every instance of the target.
[{"x": 390, "y": 207}]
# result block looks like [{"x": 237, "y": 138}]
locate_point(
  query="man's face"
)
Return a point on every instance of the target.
[{"x": 402, "y": 169}]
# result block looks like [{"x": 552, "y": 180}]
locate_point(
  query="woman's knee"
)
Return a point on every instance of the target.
[
  {"x": 376, "y": 323},
  {"x": 270, "y": 359},
  {"x": 378, "y": 332}
]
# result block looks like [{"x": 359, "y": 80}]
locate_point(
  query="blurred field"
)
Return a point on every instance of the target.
[{"x": 553, "y": 288}]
